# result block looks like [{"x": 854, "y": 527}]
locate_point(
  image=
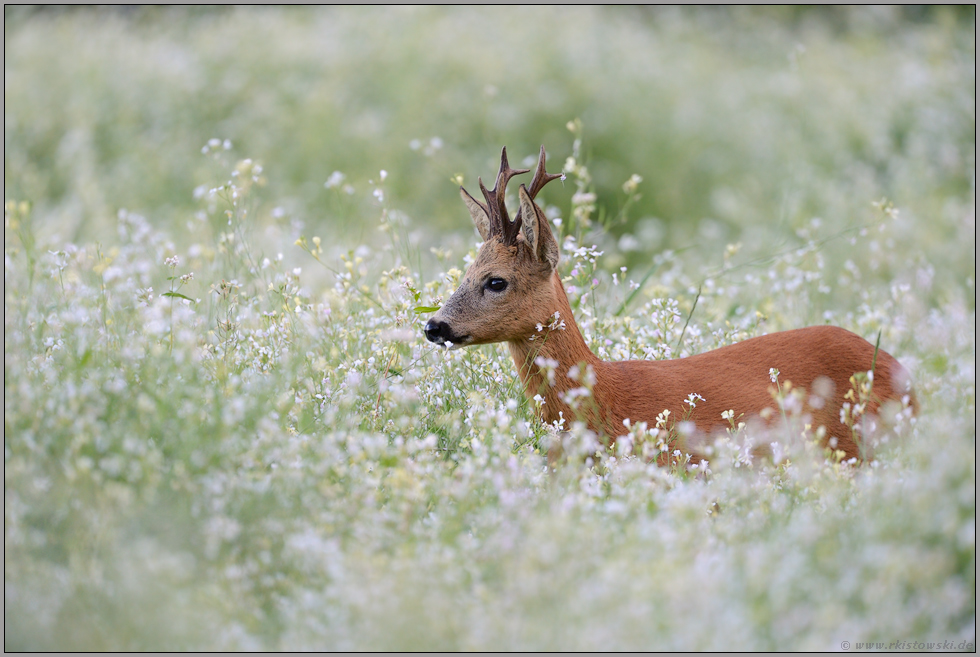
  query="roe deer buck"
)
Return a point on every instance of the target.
[{"x": 513, "y": 288}]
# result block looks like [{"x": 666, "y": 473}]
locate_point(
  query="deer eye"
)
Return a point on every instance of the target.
[{"x": 496, "y": 285}]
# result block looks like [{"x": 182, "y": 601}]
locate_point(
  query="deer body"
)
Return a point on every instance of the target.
[
  {"x": 513, "y": 290},
  {"x": 818, "y": 359}
]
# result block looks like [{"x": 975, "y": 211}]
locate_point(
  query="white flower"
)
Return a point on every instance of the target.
[{"x": 335, "y": 180}]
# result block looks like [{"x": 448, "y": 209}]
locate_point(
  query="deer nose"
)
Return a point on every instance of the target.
[{"x": 437, "y": 331}]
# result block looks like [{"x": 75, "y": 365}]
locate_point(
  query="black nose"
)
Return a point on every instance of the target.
[{"x": 436, "y": 331}]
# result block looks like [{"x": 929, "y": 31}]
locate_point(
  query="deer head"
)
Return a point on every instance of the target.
[{"x": 509, "y": 289}]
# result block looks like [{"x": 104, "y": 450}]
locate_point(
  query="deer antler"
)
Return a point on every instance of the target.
[
  {"x": 540, "y": 179},
  {"x": 496, "y": 210},
  {"x": 500, "y": 223}
]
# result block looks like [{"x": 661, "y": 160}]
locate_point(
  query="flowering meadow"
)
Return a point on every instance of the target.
[{"x": 225, "y": 229}]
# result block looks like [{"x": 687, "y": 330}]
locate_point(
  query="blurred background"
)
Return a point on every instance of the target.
[
  {"x": 279, "y": 460},
  {"x": 744, "y": 124}
]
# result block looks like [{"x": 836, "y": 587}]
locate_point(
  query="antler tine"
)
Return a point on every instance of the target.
[
  {"x": 500, "y": 223},
  {"x": 541, "y": 177}
]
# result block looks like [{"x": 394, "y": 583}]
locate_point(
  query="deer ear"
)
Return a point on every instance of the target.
[
  {"x": 529, "y": 218},
  {"x": 479, "y": 214},
  {"x": 536, "y": 231}
]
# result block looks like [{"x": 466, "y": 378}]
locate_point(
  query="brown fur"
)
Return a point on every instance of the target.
[{"x": 735, "y": 377}]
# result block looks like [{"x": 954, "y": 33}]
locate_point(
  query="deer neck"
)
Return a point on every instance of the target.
[{"x": 535, "y": 355}]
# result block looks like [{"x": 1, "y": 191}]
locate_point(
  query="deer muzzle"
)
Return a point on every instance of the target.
[{"x": 440, "y": 332}]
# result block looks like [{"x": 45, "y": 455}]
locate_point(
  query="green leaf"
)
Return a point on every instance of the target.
[
  {"x": 425, "y": 309},
  {"x": 175, "y": 294}
]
